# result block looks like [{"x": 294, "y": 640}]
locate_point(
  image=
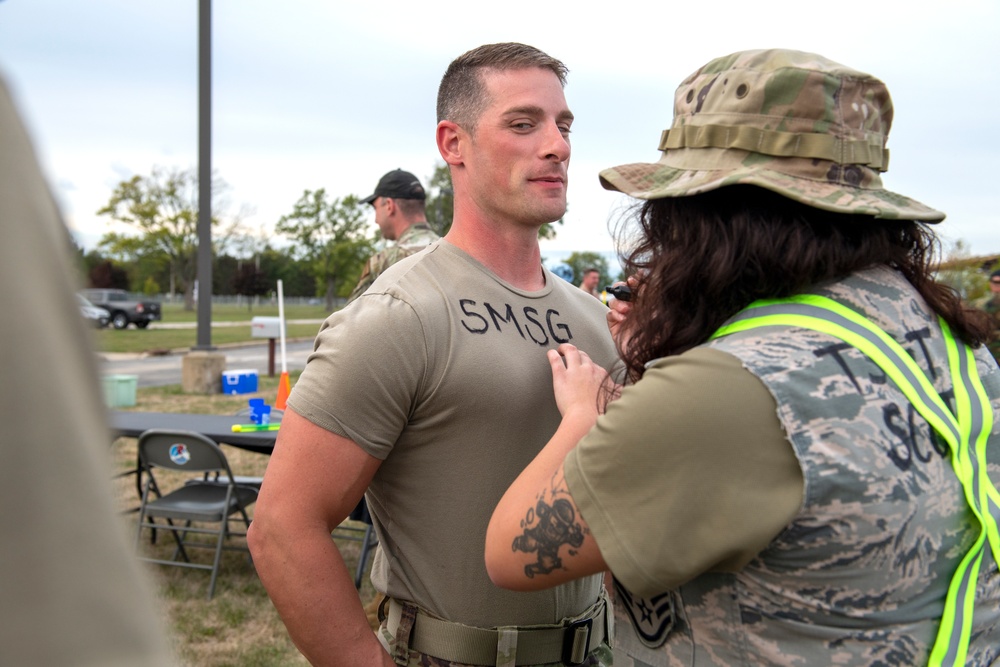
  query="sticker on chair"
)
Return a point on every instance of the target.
[{"x": 179, "y": 454}]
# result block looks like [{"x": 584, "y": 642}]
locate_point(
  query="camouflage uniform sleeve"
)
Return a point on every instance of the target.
[
  {"x": 415, "y": 238},
  {"x": 374, "y": 267},
  {"x": 364, "y": 282}
]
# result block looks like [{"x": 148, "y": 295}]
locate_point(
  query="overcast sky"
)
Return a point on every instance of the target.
[{"x": 331, "y": 94}]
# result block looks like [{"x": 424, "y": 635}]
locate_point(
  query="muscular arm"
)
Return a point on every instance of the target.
[{"x": 313, "y": 480}]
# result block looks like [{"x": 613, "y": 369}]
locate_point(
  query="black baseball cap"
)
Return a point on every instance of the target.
[{"x": 397, "y": 184}]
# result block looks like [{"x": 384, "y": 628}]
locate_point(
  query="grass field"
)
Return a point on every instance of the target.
[
  {"x": 239, "y": 626},
  {"x": 230, "y": 312},
  {"x": 153, "y": 340}
]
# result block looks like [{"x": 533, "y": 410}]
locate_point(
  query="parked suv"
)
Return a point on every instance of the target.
[{"x": 124, "y": 309}]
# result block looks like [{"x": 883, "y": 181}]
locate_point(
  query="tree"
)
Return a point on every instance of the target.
[
  {"x": 331, "y": 235},
  {"x": 106, "y": 274},
  {"x": 250, "y": 281},
  {"x": 297, "y": 277},
  {"x": 440, "y": 205},
  {"x": 581, "y": 261},
  {"x": 163, "y": 207},
  {"x": 966, "y": 274}
]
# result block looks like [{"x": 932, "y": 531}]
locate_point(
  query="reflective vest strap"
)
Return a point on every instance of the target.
[
  {"x": 966, "y": 433},
  {"x": 976, "y": 418}
]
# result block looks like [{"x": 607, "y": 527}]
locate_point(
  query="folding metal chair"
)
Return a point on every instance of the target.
[
  {"x": 204, "y": 502},
  {"x": 244, "y": 480}
]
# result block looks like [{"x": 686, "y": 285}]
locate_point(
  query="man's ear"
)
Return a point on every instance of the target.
[{"x": 450, "y": 141}]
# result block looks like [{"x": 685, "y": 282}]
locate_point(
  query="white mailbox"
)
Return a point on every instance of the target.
[{"x": 265, "y": 327}]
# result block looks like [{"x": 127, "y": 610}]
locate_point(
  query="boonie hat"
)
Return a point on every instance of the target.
[
  {"x": 795, "y": 123},
  {"x": 397, "y": 184}
]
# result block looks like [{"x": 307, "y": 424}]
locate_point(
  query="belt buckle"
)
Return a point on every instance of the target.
[{"x": 571, "y": 651}]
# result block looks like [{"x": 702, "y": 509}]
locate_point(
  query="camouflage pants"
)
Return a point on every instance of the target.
[{"x": 599, "y": 657}]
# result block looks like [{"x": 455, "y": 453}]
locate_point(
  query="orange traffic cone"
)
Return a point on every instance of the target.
[{"x": 284, "y": 388}]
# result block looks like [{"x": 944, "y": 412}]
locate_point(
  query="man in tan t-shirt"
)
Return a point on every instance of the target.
[{"x": 431, "y": 391}]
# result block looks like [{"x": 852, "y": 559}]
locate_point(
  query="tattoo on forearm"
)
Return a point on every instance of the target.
[{"x": 549, "y": 525}]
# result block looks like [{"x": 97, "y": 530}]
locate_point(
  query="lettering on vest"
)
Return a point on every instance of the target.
[
  {"x": 903, "y": 452},
  {"x": 526, "y": 321}
]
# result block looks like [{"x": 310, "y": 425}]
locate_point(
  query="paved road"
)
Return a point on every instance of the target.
[{"x": 156, "y": 371}]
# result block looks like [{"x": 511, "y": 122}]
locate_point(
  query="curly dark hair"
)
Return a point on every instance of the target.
[{"x": 701, "y": 259}]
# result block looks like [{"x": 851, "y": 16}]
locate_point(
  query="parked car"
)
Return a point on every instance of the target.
[
  {"x": 98, "y": 317},
  {"x": 123, "y": 308}
]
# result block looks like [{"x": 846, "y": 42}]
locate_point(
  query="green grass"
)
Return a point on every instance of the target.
[
  {"x": 230, "y": 312},
  {"x": 157, "y": 340},
  {"x": 152, "y": 340},
  {"x": 238, "y": 626}
]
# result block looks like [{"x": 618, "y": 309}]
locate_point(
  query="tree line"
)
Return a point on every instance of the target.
[{"x": 323, "y": 245}]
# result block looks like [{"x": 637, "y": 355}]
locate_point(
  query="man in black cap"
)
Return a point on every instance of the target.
[{"x": 399, "y": 213}]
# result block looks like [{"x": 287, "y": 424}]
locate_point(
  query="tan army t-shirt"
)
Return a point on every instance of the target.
[{"x": 440, "y": 370}]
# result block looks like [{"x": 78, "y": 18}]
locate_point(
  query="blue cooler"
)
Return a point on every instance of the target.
[{"x": 239, "y": 381}]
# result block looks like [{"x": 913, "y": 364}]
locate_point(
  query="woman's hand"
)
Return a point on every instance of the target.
[{"x": 577, "y": 382}]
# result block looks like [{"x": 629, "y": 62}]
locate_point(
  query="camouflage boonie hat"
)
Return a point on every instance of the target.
[{"x": 792, "y": 122}]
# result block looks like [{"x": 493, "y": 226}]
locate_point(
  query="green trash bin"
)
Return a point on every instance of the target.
[{"x": 119, "y": 390}]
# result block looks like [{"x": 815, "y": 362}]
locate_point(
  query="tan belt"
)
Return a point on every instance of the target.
[{"x": 569, "y": 643}]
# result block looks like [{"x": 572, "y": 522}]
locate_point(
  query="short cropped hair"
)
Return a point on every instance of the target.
[
  {"x": 462, "y": 93},
  {"x": 411, "y": 208}
]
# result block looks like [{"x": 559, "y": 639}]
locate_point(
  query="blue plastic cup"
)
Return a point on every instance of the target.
[
  {"x": 265, "y": 414},
  {"x": 256, "y": 406}
]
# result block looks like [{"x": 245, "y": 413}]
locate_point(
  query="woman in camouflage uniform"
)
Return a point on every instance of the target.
[{"x": 803, "y": 468}]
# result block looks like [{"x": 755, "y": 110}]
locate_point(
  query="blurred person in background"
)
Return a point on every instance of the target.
[
  {"x": 589, "y": 282},
  {"x": 990, "y": 305},
  {"x": 398, "y": 202}
]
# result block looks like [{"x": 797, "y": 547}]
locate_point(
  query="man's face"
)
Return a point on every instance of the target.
[
  {"x": 382, "y": 218},
  {"x": 590, "y": 280},
  {"x": 517, "y": 158},
  {"x": 995, "y": 285}
]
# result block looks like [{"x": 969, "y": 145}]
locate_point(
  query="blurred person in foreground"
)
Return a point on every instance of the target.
[
  {"x": 431, "y": 391},
  {"x": 71, "y": 592},
  {"x": 398, "y": 201},
  {"x": 804, "y": 470}
]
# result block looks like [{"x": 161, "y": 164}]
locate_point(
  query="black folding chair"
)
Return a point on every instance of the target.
[{"x": 201, "y": 501}]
